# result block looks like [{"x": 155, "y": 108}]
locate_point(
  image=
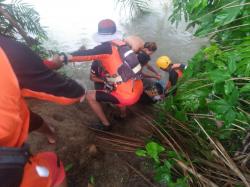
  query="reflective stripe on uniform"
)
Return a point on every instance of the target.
[
  {"x": 128, "y": 53},
  {"x": 118, "y": 79},
  {"x": 114, "y": 79},
  {"x": 137, "y": 68}
]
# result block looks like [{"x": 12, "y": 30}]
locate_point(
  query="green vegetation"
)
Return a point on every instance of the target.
[
  {"x": 21, "y": 21},
  {"x": 216, "y": 85},
  {"x": 163, "y": 167},
  {"x": 198, "y": 133},
  {"x": 205, "y": 123},
  {"x": 136, "y": 7}
]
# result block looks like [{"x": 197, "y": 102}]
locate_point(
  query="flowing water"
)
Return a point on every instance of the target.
[{"x": 71, "y": 24}]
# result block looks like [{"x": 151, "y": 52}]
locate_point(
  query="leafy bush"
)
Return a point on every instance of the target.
[
  {"x": 163, "y": 167},
  {"x": 210, "y": 114},
  {"x": 216, "y": 85}
]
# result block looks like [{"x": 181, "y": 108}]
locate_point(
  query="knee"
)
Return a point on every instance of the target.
[{"x": 90, "y": 95}]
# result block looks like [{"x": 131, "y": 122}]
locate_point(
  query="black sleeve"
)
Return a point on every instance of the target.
[
  {"x": 173, "y": 77},
  {"x": 35, "y": 79},
  {"x": 104, "y": 48}
]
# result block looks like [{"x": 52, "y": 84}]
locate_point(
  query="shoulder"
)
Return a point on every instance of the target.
[
  {"x": 172, "y": 72},
  {"x": 103, "y": 48},
  {"x": 183, "y": 66}
]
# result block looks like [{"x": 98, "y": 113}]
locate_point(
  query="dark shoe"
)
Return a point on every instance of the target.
[
  {"x": 119, "y": 118},
  {"x": 101, "y": 127}
]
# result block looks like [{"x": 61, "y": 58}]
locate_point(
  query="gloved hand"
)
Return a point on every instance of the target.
[{"x": 109, "y": 86}]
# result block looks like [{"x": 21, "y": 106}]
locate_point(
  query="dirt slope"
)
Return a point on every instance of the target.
[{"x": 73, "y": 141}]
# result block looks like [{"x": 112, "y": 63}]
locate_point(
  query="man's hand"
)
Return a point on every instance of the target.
[
  {"x": 158, "y": 77},
  {"x": 56, "y": 59},
  {"x": 54, "y": 63}
]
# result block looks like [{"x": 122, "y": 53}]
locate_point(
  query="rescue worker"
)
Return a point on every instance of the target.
[
  {"x": 37, "y": 81},
  {"x": 17, "y": 167},
  {"x": 175, "y": 71},
  {"x": 123, "y": 73},
  {"x": 97, "y": 74}
]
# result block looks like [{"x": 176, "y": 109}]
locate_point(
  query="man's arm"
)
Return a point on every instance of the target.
[
  {"x": 150, "y": 68},
  {"x": 97, "y": 53},
  {"x": 94, "y": 78},
  {"x": 55, "y": 63},
  {"x": 146, "y": 75},
  {"x": 35, "y": 79}
]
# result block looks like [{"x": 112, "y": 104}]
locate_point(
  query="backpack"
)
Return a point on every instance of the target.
[
  {"x": 131, "y": 67},
  {"x": 12, "y": 162}
]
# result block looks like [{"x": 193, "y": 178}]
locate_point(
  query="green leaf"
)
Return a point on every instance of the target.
[
  {"x": 163, "y": 177},
  {"x": 230, "y": 116},
  {"x": 172, "y": 154},
  {"x": 233, "y": 97},
  {"x": 229, "y": 86},
  {"x": 69, "y": 167},
  {"x": 232, "y": 66},
  {"x": 218, "y": 88},
  {"x": 225, "y": 135},
  {"x": 219, "y": 106},
  {"x": 207, "y": 25},
  {"x": 245, "y": 88},
  {"x": 181, "y": 115},
  {"x": 92, "y": 179},
  {"x": 227, "y": 15},
  {"x": 181, "y": 182},
  {"x": 153, "y": 150},
  {"x": 163, "y": 173},
  {"x": 141, "y": 153},
  {"x": 219, "y": 76}
]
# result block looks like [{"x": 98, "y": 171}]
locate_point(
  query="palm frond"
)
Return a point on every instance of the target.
[
  {"x": 136, "y": 7},
  {"x": 22, "y": 19}
]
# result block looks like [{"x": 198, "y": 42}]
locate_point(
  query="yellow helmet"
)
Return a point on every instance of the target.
[{"x": 163, "y": 62}]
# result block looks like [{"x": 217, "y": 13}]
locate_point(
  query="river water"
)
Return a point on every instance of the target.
[{"x": 71, "y": 24}]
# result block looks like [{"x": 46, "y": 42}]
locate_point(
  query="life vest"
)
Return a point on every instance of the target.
[
  {"x": 123, "y": 74},
  {"x": 177, "y": 68},
  {"x": 14, "y": 113},
  {"x": 12, "y": 163},
  {"x": 125, "y": 64},
  {"x": 42, "y": 170}
]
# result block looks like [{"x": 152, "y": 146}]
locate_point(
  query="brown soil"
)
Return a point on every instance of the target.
[{"x": 74, "y": 140}]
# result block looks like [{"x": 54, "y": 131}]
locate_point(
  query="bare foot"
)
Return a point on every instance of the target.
[
  {"x": 51, "y": 135},
  {"x": 51, "y": 139}
]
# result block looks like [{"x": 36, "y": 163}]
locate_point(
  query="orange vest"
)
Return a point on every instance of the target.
[
  {"x": 128, "y": 92},
  {"x": 31, "y": 177},
  {"x": 14, "y": 113}
]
